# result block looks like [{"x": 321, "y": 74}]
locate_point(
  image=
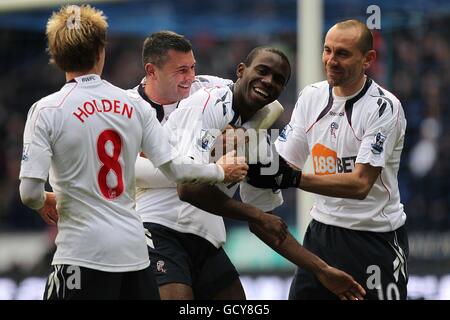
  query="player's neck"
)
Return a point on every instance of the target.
[
  {"x": 351, "y": 89},
  {"x": 241, "y": 109},
  {"x": 238, "y": 103},
  {"x": 154, "y": 96},
  {"x": 75, "y": 74}
]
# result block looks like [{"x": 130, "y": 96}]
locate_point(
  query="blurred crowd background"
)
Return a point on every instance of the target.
[{"x": 413, "y": 47}]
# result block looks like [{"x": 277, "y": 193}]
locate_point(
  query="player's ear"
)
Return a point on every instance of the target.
[
  {"x": 369, "y": 58},
  {"x": 240, "y": 70},
  {"x": 149, "y": 70}
]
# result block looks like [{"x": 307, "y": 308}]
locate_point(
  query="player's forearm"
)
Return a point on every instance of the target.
[
  {"x": 211, "y": 199},
  {"x": 32, "y": 193},
  {"x": 291, "y": 250},
  {"x": 183, "y": 170},
  {"x": 341, "y": 185},
  {"x": 147, "y": 176},
  {"x": 353, "y": 185}
]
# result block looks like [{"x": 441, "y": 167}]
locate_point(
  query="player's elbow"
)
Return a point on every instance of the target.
[
  {"x": 31, "y": 201},
  {"x": 362, "y": 190},
  {"x": 27, "y": 200},
  {"x": 361, "y": 195}
]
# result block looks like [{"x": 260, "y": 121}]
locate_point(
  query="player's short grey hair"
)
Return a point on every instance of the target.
[{"x": 365, "y": 42}]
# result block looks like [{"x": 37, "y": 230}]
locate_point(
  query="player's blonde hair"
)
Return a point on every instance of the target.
[{"x": 75, "y": 36}]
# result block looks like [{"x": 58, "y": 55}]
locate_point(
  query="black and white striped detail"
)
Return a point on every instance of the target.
[
  {"x": 149, "y": 240},
  {"x": 56, "y": 283},
  {"x": 399, "y": 264}
]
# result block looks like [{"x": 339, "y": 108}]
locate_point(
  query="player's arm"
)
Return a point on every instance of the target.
[
  {"x": 182, "y": 169},
  {"x": 36, "y": 160},
  {"x": 147, "y": 176},
  {"x": 335, "y": 280},
  {"x": 352, "y": 185},
  {"x": 33, "y": 195},
  {"x": 229, "y": 168},
  {"x": 213, "y": 200}
]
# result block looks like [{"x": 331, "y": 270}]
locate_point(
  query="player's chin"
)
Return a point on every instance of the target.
[
  {"x": 334, "y": 79},
  {"x": 258, "y": 100},
  {"x": 183, "y": 92}
]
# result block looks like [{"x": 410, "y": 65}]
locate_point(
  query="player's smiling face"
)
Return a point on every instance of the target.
[
  {"x": 342, "y": 58},
  {"x": 175, "y": 76},
  {"x": 263, "y": 80}
]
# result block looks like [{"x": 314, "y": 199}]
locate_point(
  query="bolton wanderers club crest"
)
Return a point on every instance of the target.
[{"x": 334, "y": 126}]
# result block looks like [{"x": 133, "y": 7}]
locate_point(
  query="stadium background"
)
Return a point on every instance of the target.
[{"x": 413, "y": 62}]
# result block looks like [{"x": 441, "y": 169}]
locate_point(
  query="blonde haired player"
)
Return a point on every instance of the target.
[{"x": 87, "y": 135}]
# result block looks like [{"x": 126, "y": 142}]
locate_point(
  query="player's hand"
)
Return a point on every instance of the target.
[
  {"x": 274, "y": 226},
  {"x": 235, "y": 168},
  {"x": 48, "y": 212},
  {"x": 285, "y": 177},
  {"x": 341, "y": 284}
]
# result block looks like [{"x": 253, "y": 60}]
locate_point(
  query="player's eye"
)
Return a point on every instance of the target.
[{"x": 262, "y": 71}]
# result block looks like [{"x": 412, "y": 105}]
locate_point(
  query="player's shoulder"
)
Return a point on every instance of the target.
[
  {"x": 207, "y": 81},
  {"x": 377, "y": 90},
  {"x": 379, "y": 97},
  {"x": 55, "y": 99},
  {"x": 111, "y": 87},
  {"x": 207, "y": 96},
  {"x": 133, "y": 93},
  {"x": 314, "y": 89}
]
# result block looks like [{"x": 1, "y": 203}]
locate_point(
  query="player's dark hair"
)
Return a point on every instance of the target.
[
  {"x": 365, "y": 42},
  {"x": 157, "y": 45},
  {"x": 252, "y": 55}
]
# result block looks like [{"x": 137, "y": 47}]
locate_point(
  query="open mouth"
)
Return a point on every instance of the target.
[
  {"x": 334, "y": 72},
  {"x": 261, "y": 92}
]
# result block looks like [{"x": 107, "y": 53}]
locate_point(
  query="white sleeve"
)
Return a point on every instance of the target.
[
  {"x": 37, "y": 151},
  {"x": 147, "y": 176},
  {"x": 32, "y": 192},
  {"x": 184, "y": 170},
  {"x": 292, "y": 143},
  {"x": 383, "y": 133},
  {"x": 263, "y": 199}
]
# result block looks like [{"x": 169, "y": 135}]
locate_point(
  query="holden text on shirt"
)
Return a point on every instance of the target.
[{"x": 104, "y": 105}]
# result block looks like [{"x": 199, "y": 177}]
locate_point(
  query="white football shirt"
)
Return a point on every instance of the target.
[
  {"x": 88, "y": 135},
  {"x": 368, "y": 127},
  {"x": 192, "y": 128}
]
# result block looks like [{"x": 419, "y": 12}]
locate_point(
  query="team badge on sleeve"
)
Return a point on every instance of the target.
[
  {"x": 377, "y": 147},
  {"x": 26, "y": 146},
  {"x": 206, "y": 140},
  {"x": 285, "y": 133}
]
